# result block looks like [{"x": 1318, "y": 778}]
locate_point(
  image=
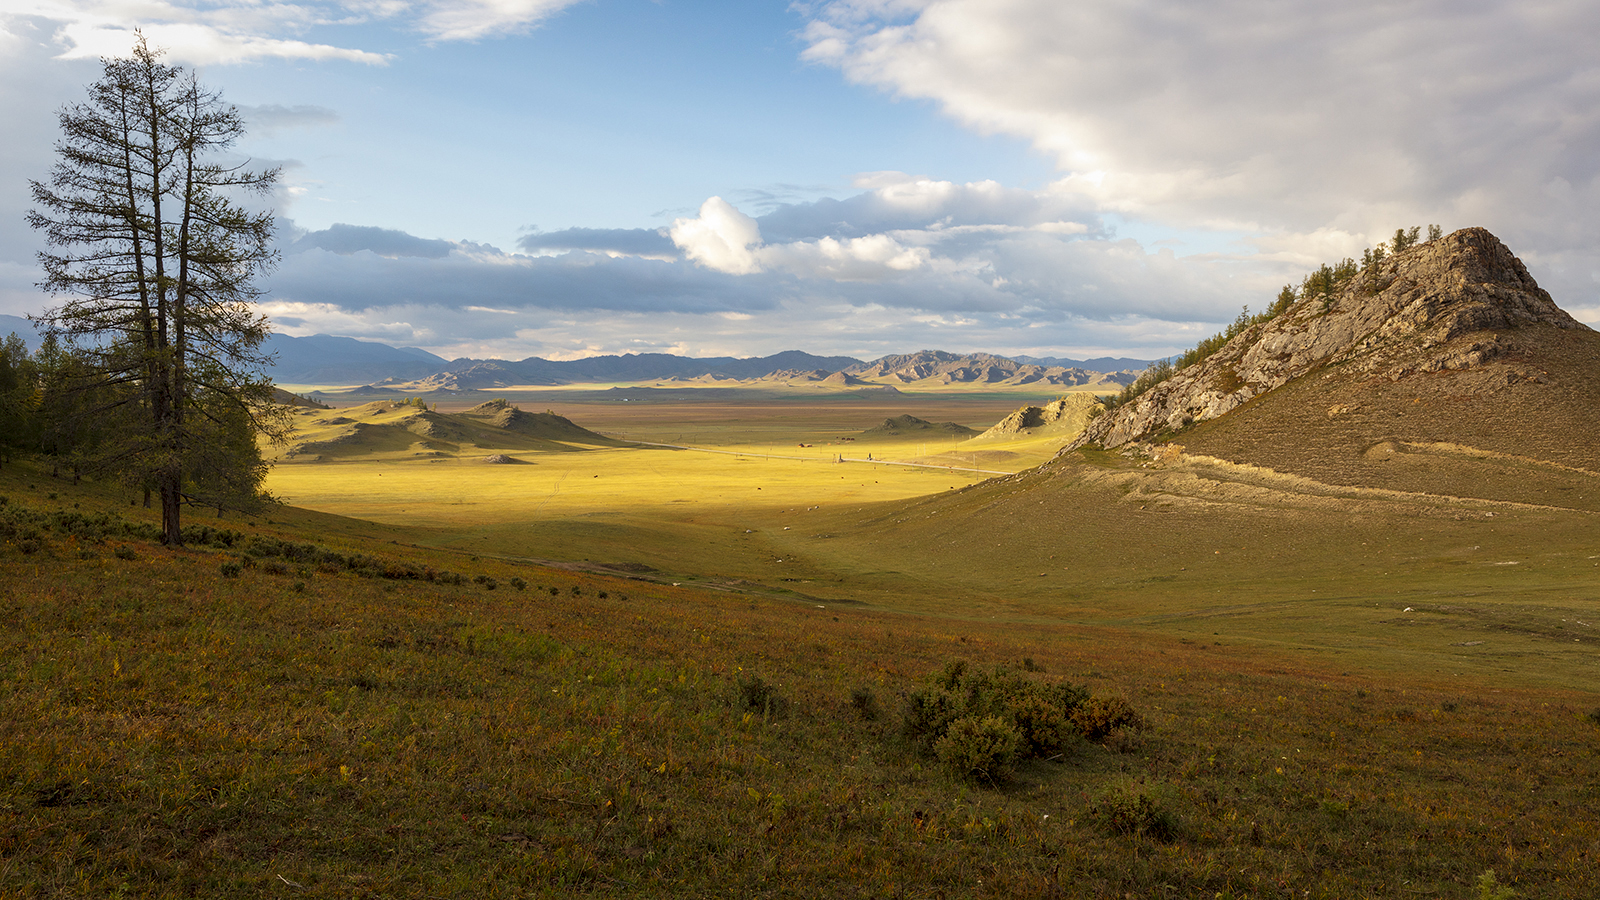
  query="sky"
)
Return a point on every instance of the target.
[{"x": 566, "y": 178}]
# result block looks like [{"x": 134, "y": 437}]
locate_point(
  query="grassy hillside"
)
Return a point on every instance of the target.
[
  {"x": 395, "y": 431},
  {"x": 307, "y": 705}
]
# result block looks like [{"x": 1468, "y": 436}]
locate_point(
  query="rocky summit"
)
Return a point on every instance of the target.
[{"x": 1442, "y": 306}]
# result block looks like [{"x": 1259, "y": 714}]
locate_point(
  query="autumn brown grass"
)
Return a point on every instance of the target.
[{"x": 167, "y": 730}]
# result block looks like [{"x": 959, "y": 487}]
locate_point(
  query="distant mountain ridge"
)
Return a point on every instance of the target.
[
  {"x": 791, "y": 366},
  {"x": 323, "y": 359},
  {"x": 327, "y": 360},
  {"x": 974, "y": 368}
]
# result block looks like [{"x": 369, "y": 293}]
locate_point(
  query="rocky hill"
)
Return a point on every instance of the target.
[
  {"x": 1455, "y": 304},
  {"x": 1066, "y": 417}
]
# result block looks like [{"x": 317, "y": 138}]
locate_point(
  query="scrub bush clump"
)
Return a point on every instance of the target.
[{"x": 979, "y": 722}]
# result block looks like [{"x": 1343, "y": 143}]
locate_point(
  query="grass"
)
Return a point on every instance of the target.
[
  {"x": 168, "y": 730},
  {"x": 1493, "y": 589},
  {"x": 1344, "y": 694}
]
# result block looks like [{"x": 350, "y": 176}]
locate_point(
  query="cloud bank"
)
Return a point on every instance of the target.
[
  {"x": 1312, "y": 128},
  {"x": 911, "y": 262}
]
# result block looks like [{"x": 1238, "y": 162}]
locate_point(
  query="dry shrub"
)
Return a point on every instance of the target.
[{"x": 1097, "y": 717}]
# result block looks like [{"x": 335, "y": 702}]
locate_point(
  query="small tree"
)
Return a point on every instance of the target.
[
  {"x": 1405, "y": 238},
  {"x": 1286, "y": 298},
  {"x": 154, "y": 264}
]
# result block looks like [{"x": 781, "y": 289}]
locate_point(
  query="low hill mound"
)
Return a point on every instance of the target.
[
  {"x": 544, "y": 426},
  {"x": 1064, "y": 418},
  {"x": 279, "y": 395},
  {"x": 398, "y": 429},
  {"x": 911, "y": 426}
]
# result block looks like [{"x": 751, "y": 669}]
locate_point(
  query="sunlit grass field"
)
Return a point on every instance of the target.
[{"x": 685, "y": 511}]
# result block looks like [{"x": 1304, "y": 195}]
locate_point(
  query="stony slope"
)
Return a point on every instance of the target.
[
  {"x": 1066, "y": 417},
  {"x": 1447, "y": 373},
  {"x": 1457, "y": 304}
]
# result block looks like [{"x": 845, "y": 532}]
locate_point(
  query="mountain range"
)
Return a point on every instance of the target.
[{"x": 324, "y": 359}]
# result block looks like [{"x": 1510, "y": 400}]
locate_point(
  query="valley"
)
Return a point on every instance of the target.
[{"x": 1314, "y": 616}]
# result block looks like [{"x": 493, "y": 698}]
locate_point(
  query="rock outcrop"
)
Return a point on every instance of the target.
[
  {"x": 1067, "y": 417},
  {"x": 1430, "y": 308}
]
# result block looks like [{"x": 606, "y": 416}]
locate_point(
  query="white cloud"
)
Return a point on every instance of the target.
[
  {"x": 904, "y": 224},
  {"x": 868, "y": 258},
  {"x": 206, "y": 32},
  {"x": 199, "y": 43},
  {"x": 456, "y": 20},
  {"x": 719, "y": 238},
  {"x": 1294, "y": 123}
]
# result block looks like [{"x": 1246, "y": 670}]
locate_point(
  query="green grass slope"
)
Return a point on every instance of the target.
[{"x": 304, "y": 705}]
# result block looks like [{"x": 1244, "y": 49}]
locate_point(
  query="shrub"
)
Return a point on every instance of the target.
[
  {"x": 1594, "y": 716},
  {"x": 756, "y": 694},
  {"x": 1097, "y": 717},
  {"x": 1126, "y": 810},
  {"x": 983, "y": 748},
  {"x": 1038, "y": 718},
  {"x": 230, "y": 570},
  {"x": 124, "y": 552},
  {"x": 519, "y": 584},
  {"x": 864, "y": 702}
]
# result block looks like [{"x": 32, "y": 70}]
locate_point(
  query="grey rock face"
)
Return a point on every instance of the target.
[{"x": 1400, "y": 318}]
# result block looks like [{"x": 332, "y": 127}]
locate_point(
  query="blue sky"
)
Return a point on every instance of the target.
[{"x": 557, "y": 178}]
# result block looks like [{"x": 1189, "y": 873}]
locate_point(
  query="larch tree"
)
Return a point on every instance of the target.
[{"x": 153, "y": 260}]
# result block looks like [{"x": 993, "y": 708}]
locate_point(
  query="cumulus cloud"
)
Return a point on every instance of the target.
[
  {"x": 1315, "y": 121},
  {"x": 719, "y": 238},
  {"x": 852, "y": 259},
  {"x": 904, "y": 224},
  {"x": 726, "y": 240}
]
